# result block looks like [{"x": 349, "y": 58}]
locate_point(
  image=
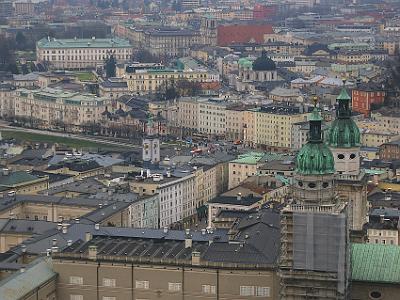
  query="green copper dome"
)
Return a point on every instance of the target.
[
  {"x": 344, "y": 132},
  {"x": 315, "y": 159}
]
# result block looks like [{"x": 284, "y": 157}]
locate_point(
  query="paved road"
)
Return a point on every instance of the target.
[{"x": 6, "y": 127}]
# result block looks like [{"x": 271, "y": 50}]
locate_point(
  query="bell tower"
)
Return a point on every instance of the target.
[
  {"x": 314, "y": 254},
  {"x": 351, "y": 182}
]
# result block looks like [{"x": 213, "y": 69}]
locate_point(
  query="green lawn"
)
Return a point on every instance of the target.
[
  {"x": 71, "y": 142},
  {"x": 85, "y": 76}
]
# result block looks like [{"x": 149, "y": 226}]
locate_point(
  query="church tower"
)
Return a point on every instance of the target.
[
  {"x": 314, "y": 256},
  {"x": 151, "y": 144},
  {"x": 351, "y": 181}
]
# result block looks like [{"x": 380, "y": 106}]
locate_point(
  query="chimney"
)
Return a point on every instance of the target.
[
  {"x": 54, "y": 249},
  {"x": 203, "y": 231},
  {"x": 382, "y": 219},
  {"x": 69, "y": 243},
  {"x": 165, "y": 229},
  {"x": 188, "y": 239},
  {"x": 92, "y": 253},
  {"x": 54, "y": 242},
  {"x": 96, "y": 226},
  {"x": 195, "y": 258},
  {"x": 59, "y": 226},
  {"x": 239, "y": 196},
  {"x": 77, "y": 220},
  {"x": 148, "y": 173},
  {"x": 168, "y": 174},
  {"x": 88, "y": 236},
  {"x": 23, "y": 248},
  {"x": 22, "y": 270},
  {"x": 64, "y": 228}
]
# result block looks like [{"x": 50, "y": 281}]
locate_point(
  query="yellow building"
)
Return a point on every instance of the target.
[
  {"x": 152, "y": 79},
  {"x": 370, "y": 138},
  {"x": 273, "y": 126},
  {"x": 21, "y": 182}
]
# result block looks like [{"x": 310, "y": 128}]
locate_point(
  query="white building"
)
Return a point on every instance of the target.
[{"x": 81, "y": 53}]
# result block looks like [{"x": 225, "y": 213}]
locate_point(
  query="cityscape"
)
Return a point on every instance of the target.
[{"x": 199, "y": 149}]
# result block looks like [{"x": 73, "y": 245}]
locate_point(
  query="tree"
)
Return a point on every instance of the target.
[
  {"x": 110, "y": 66},
  {"x": 20, "y": 41},
  {"x": 145, "y": 56},
  {"x": 7, "y": 56}
]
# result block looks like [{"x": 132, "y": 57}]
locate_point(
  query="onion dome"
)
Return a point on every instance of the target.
[
  {"x": 264, "y": 63},
  {"x": 344, "y": 132},
  {"x": 315, "y": 158},
  {"x": 245, "y": 63}
]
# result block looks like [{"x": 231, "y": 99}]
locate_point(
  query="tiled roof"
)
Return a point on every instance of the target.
[{"x": 375, "y": 263}]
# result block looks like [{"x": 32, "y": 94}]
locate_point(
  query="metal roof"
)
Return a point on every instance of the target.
[
  {"x": 19, "y": 285},
  {"x": 83, "y": 43},
  {"x": 375, "y": 263}
]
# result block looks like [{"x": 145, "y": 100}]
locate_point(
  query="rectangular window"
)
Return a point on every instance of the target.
[
  {"x": 262, "y": 291},
  {"x": 208, "y": 289},
  {"x": 75, "y": 297},
  {"x": 246, "y": 290},
  {"x": 174, "y": 286},
  {"x": 142, "y": 284},
  {"x": 109, "y": 282},
  {"x": 76, "y": 280}
]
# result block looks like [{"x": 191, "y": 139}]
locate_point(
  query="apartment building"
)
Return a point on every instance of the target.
[
  {"x": 177, "y": 195},
  {"x": 212, "y": 117},
  {"x": 387, "y": 118},
  {"x": 236, "y": 123},
  {"x": 188, "y": 117},
  {"x": 7, "y": 95},
  {"x": 50, "y": 107},
  {"x": 151, "y": 79},
  {"x": 274, "y": 125},
  {"x": 243, "y": 167},
  {"x": 81, "y": 53},
  {"x": 365, "y": 96}
]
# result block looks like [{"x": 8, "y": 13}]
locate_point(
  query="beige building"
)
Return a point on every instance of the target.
[
  {"x": 234, "y": 123},
  {"x": 188, "y": 117},
  {"x": 388, "y": 119},
  {"x": 51, "y": 107},
  {"x": 7, "y": 95},
  {"x": 81, "y": 53},
  {"x": 212, "y": 117},
  {"x": 274, "y": 126},
  {"x": 383, "y": 236},
  {"x": 243, "y": 167}
]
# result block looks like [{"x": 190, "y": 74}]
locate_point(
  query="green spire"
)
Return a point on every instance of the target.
[
  {"x": 315, "y": 158},
  {"x": 315, "y": 124},
  {"x": 344, "y": 132}
]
